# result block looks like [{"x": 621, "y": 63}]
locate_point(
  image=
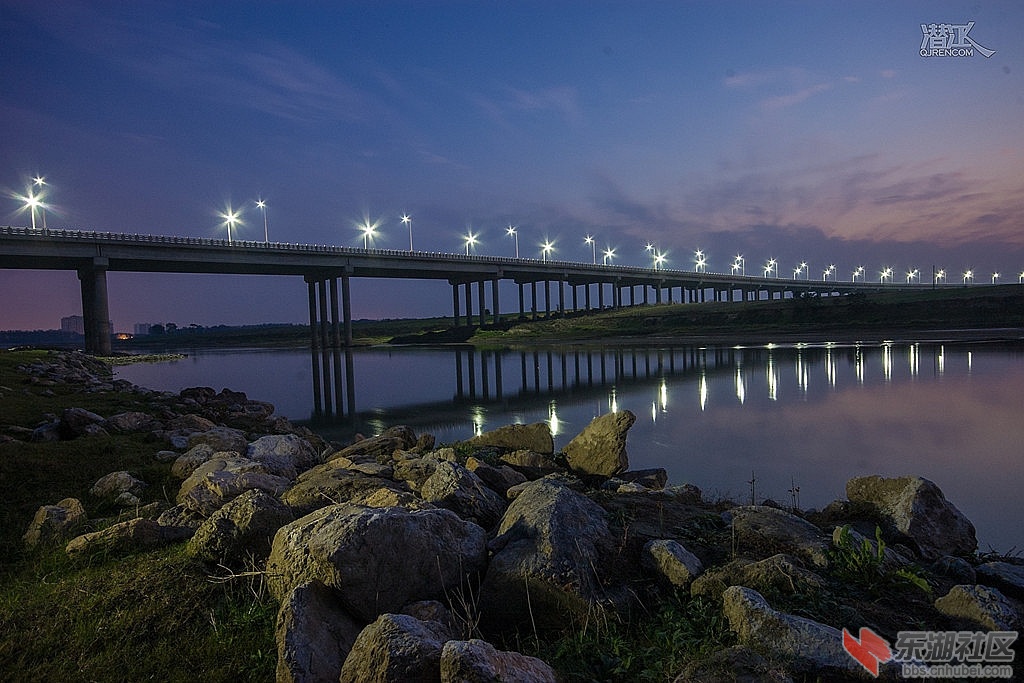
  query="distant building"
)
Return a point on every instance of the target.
[
  {"x": 142, "y": 328},
  {"x": 73, "y": 323}
]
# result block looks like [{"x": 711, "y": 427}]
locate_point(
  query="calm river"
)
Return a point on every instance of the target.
[{"x": 797, "y": 420}]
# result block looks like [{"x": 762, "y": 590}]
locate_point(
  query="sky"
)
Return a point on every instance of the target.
[{"x": 801, "y": 131}]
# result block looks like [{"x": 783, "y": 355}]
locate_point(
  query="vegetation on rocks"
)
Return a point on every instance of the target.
[{"x": 226, "y": 543}]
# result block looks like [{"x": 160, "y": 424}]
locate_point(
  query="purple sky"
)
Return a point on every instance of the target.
[{"x": 803, "y": 131}]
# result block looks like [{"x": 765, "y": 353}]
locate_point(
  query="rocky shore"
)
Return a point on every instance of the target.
[{"x": 395, "y": 558}]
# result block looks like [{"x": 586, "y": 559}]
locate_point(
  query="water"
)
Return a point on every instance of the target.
[{"x": 797, "y": 421}]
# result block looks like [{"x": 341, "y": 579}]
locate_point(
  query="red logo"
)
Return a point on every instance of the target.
[{"x": 870, "y": 650}]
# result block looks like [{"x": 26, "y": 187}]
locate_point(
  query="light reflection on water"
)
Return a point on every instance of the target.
[{"x": 806, "y": 416}]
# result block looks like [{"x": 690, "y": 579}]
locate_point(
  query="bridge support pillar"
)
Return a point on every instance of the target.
[
  {"x": 481, "y": 306},
  {"x": 494, "y": 301},
  {"x": 547, "y": 298},
  {"x": 600, "y": 295},
  {"x": 657, "y": 294},
  {"x": 561, "y": 297},
  {"x": 522, "y": 302},
  {"x": 533, "y": 299},
  {"x": 586, "y": 295},
  {"x": 456, "y": 315},
  {"x": 346, "y": 308},
  {"x": 95, "y": 308},
  {"x": 469, "y": 304}
]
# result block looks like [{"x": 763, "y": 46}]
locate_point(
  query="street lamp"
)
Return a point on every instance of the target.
[
  {"x": 886, "y": 273},
  {"x": 369, "y": 232},
  {"x": 1020, "y": 278},
  {"x": 741, "y": 264},
  {"x": 471, "y": 241},
  {"x": 31, "y": 202},
  {"x": 940, "y": 275},
  {"x": 701, "y": 261},
  {"x": 230, "y": 218},
  {"x": 589, "y": 239},
  {"x": 995, "y": 276},
  {"x": 911, "y": 274},
  {"x": 968, "y": 275},
  {"x": 828, "y": 271},
  {"x": 40, "y": 181},
  {"x": 804, "y": 266},
  {"x": 772, "y": 264},
  {"x": 659, "y": 260},
  {"x": 263, "y": 207},
  {"x": 859, "y": 271},
  {"x": 407, "y": 220},
  {"x": 512, "y": 233},
  {"x": 546, "y": 249},
  {"x": 608, "y": 254},
  {"x": 799, "y": 269}
]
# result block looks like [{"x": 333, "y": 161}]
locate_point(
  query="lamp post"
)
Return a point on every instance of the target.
[
  {"x": 995, "y": 276},
  {"x": 546, "y": 249},
  {"x": 31, "y": 202},
  {"x": 589, "y": 239},
  {"x": 828, "y": 271},
  {"x": 471, "y": 240},
  {"x": 263, "y": 207},
  {"x": 742, "y": 263},
  {"x": 608, "y": 254},
  {"x": 511, "y": 232},
  {"x": 40, "y": 181},
  {"x": 940, "y": 274},
  {"x": 911, "y": 274},
  {"x": 659, "y": 260},
  {"x": 859, "y": 271},
  {"x": 772, "y": 264},
  {"x": 407, "y": 220},
  {"x": 701, "y": 261},
  {"x": 230, "y": 218},
  {"x": 887, "y": 273},
  {"x": 369, "y": 233},
  {"x": 968, "y": 275}
]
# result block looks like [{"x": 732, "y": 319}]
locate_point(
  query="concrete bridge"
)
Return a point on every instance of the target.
[{"x": 93, "y": 254}]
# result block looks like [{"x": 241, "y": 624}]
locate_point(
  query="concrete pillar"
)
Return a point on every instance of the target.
[
  {"x": 494, "y": 301},
  {"x": 314, "y": 346},
  {"x": 586, "y": 295},
  {"x": 533, "y": 299},
  {"x": 455, "y": 304},
  {"x": 480, "y": 301},
  {"x": 346, "y": 308},
  {"x": 600, "y": 295},
  {"x": 522, "y": 304},
  {"x": 575, "y": 299},
  {"x": 547, "y": 298},
  {"x": 561, "y": 297},
  {"x": 657, "y": 294},
  {"x": 646, "y": 293},
  {"x": 469, "y": 304},
  {"x": 335, "y": 327},
  {"x": 95, "y": 307}
]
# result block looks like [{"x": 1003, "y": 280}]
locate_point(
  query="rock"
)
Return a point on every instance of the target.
[
  {"x": 773, "y": 575},
  {"x": 917, "y": 508},
  {"x": 120, "y": 488},
  {"x": 807, "y": 644},
  {"x": 380, "y": 448},
  {"x": 46, "y": 432},
  {"x": 179, "y": 515},
  {"x": 125, "y": 423},
  {"x": 477, "y": 661},
  {"x": 424, "y": 444},
  {"x": 285, "y": 455},
  {"x": 956, "y": 568},
  {"x": 166, "y": 456},
  {"x": 135, "y": 534},
  {"x": 654, "y": 478},
  {"x": 550, "y": 544},
  {"x": 759, "y": 528},
  {"x": 534, "y": 437},
  {"x": 396, "y": 648},
  {"x": 191, "y": 423},
  {"x": 314, "y": 635},
  {"x": 222, "y": 479},
  {"x": 329, "y": 485},
  {"x": 240, "y": 531},
  {"x": 736, "y": 663},
  {"x": 378, "y": 559},
  {"x": 531, "y": 464},
  {"x": 498, "y": 479},
  {"x": 1003, "y": 575},
  {"x": 222, "y": 439},
  {"x": 371, "y": 468},
  {"x": 892, "y": 560},
  {"x": 55, "y": 522},
  {"x": 454, "y": 487},
  {"x": 75, "y": 422},
  {"x": 186, "y": 463},
  {"x": 389, "y": 498},
  {"x": 982, "y": 605},
  {"x": 600, "y": 449},
  {"x": 673, "y": 565},
  {"x": 415, "y": 471},
  {"x": 404, "y": 433}
]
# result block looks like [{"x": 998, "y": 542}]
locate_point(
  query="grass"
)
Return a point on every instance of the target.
[{"x": 156, "y": 615}]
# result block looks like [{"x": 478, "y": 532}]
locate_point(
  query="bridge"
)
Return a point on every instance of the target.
[{"x": 93, "y": 254}]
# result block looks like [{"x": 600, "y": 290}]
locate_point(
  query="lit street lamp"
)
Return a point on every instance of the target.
[
  {"x": 828, "y": 271},
  {"x": 230, "y": 218},
  {"x": 859, "y": 271},
  {"x": 512, "y": 233},
  {"x": 369, "y": 232},
  {"x": 887, "y": 273},
  {"x": 40, "y": 181},
  {"x": 609, "y": 254},
  {"x": 940, "y": 274},
  {"x": 659, "y": 260},
  {"x": 546, "y": 249},
  {"x": 968, "y": 275},
  {"x": 263, "y": 207},
  {"x": 471, "y": 240},
  {"x": 701, "y": 261},
  {"x": 589, "y": 239},
  {"x": 407, "y": 220},
  {"x": 799, "y": 269},
  {"x": 995, "y": 276},
  {"x": 31, "y": 202},
  {"x": 772, "y": 264},
  {"x": 911, "y": 274},
  {"x": 1020, "y": 278},
  {"x": 739, "y": 263}
]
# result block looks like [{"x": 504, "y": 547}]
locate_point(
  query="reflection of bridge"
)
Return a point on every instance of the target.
[
  {"x": 535, "y": 380},
  {"x": 92, "y": 254}
]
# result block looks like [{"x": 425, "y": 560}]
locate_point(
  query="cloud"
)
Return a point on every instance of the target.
[{"x": 783, "y": 101}]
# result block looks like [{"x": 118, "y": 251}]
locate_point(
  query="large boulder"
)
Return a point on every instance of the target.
[
  {"x": 314, "y": 635},
  {"x": 223, "y": 479},
  {"x": 763, "y": 530},
  {"x": 119, "y": 488},
  {"x": 381, "y": 447},
  {"x": 534, "y": 437},
  {"x": 222, "y": 439},
  {"x": 477, "y": 661},
  {"x": 499, "y": 478},
  {"x": 454, "y": 487},
  {"x": 75, "y": 422},
  {"x": 1003, "y": 575},
  {"x": 128, "y": 422},
  {"x": 982, "y": 605},
  {"x": 186, "y": 463},
  {"x": 240, "y": 531},
  {"x": 916, "y": 507},
  {"x": 672, "y": 565},
  {"x": 778, "y": 574},
  {"x": 378, "y": 559},
  {"x": 329, "y": 484},
  {"x": 807, "y": 644},
  {"x": 55, "y": 522},
  {"x": 600, "y": 449},
  {"x": 396, "y": 648},
  {"x": 551, "y": 542},
  {"x": 135, "y": 534},
  {"x": 286, "y": 455}
]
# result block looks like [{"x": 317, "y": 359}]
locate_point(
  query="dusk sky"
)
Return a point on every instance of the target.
[{"x": 804, "y": 131}]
